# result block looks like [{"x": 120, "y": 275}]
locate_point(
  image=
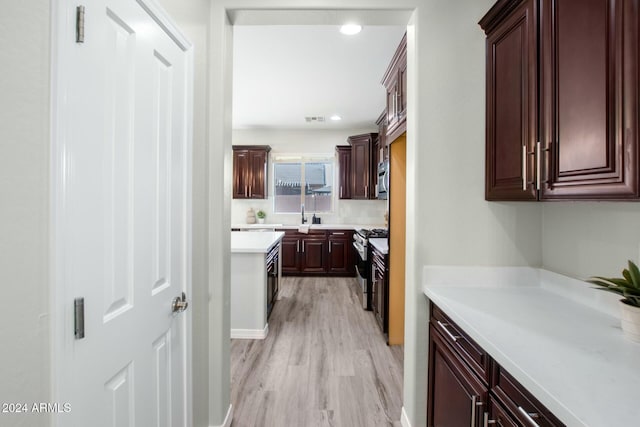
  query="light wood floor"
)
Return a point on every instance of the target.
[{"x": 324, "y": 363}]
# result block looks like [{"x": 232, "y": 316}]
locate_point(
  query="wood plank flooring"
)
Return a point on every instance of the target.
[{"x": 324, "y": 363}]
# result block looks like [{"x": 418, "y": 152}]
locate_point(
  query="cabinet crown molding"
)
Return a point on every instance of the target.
[{"x": 497, "y": 13}]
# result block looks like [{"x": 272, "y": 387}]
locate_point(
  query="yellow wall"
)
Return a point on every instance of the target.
[{"x": 397, "y": 238}]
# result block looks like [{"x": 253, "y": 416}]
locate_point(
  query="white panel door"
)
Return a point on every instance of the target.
[{"x": 122, "y": 167}]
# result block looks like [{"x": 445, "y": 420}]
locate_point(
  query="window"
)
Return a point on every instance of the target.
[{"x": 303, "y": 182}]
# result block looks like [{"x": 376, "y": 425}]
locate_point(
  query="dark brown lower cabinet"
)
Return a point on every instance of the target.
[
  {"x": 460, "y": 393},
  {"x": 318, "y": 252},
  {"x": 380, "y": 289},
  {"x": 290, "y": 249},
  {"x": 457, "y": 396},
  {"x": 314, "y": 254},
  {"x": 341, "y": 259}
]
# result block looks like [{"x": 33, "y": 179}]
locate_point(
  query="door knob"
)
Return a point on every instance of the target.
[{"x": 179, "y": 304}]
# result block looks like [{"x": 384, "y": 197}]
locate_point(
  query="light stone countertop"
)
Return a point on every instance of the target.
[
  {"x": 381, "y": 244},
  {"x": 558, "y": 337},
  {"x": 311, "y": 226},
  {"x": 251, "y": 242}
]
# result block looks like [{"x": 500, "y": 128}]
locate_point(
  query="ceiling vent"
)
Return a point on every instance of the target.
[{"x": 314, "y": 119}]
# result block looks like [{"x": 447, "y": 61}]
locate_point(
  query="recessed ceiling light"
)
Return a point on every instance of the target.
[
  {"x": 350, "y": 29},
  {"x": 335, "y": 118}
]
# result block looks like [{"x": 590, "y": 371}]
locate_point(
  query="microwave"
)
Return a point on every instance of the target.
[{"x": 382, "y": 188}]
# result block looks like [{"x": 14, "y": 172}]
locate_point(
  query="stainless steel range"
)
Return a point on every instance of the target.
[{"x": 363, "y": 263}]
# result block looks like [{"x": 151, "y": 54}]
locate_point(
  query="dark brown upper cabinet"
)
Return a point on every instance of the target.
[
  {"x": 363, "y": 166},
  {"x": 382, "y": 147},
  {"x": 250, "y": 165},
  {"x": 511, "y": 130},
  {"x": 573, "y": 135},
  {"x": 395, "y": 83},
  {"x": 344, "y": 171}
]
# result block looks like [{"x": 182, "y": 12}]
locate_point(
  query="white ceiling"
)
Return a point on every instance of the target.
[{"x": 283, "y": 73}]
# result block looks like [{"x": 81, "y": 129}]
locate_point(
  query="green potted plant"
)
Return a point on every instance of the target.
[
  {"x": 261, "y": 215},
  {"x": 627, "y": 286}
]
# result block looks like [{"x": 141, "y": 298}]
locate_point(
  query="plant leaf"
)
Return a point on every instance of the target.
[
  {"x": 627, "y": 276},
  {"x": 602, "y": 281},
  {"x": 635, "y": 274}
]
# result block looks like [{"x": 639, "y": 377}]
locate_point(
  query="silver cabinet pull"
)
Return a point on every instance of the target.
[
  {"x": 303, "y": 246},
  {"x": 538, "y": 165},
  {"x": 330, "y": 247},
  {"x": 524, "y": 167},
  {"x": 474, "y": 404},
  {"x": 444, "y": 327},
  {"x": 341, "y": 191},
  {"x": 246, "y": 191},
  {"x": 249, "y": 191},
  {"x": 487, "y": 421},
  {"x": 529, "y": 417},
  {"x": 297, "y": 245}
]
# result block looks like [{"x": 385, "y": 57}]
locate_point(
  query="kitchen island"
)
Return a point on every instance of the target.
[{"x": 255, "y": 274}]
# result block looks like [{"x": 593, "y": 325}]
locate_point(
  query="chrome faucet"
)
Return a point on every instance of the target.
[{"x": 303, "y": 218}]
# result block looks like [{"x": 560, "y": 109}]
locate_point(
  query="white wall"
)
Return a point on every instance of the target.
[
  {"x": 582, "y": 239},
  {"x": 24, "y": 207},
  {"x": 449, "y": 222},
  {"x": 365, "y": 212}
]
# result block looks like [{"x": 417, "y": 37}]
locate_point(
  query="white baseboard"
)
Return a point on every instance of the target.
[
  {"x": 228, "y": 418},
  {"x": 404, "y": 419},
  {"x": 250, "y": 334}
]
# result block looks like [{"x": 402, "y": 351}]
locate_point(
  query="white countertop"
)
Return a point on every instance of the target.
[
  {"x": 255, "y": 226},
  {"x": 380, "y": 244},
  {"x": 251, "y": 242},
  {"x": 312, "y": 226},
  {"x": 568, "y": 352}
]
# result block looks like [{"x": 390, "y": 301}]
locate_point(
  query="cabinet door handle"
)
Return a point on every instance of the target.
[
  {"x": 297, "y": 245},
  {"x": 538, "y": 165},
  {"x": 366, "y": 191},
  {"x": 524, "y": 167},
  {"x": 341, "y": 191},
  {"x": 487, "y": 421},
  {"x": 529, "y": 417},
  {"x": 246, "y": 191},
  {"x": 249, "y": 191},
  {"x": 444, "y": 327},
  {"x": 329, "y": 247},
  {"x": 474, "y": 404},
  {"x": 303, "y": 246}
]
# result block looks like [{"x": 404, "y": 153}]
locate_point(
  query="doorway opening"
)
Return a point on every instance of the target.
[{"x": 289, "y": 140}]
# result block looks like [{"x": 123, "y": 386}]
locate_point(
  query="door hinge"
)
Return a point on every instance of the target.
[
  {"x": 80, "y": 24},
  {"x": 78, "y": 318}
]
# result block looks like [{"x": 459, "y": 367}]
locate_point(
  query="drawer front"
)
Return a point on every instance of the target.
[
  {"x": 498, "y": 416},
  {"x": 469, "y": 351},
  {"x": 517, "y": 400}
]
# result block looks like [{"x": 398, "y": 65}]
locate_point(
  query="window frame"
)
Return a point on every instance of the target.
[{"x": 303, "y": 160}]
